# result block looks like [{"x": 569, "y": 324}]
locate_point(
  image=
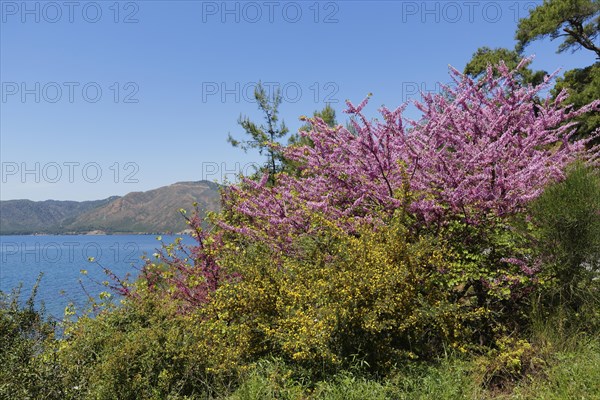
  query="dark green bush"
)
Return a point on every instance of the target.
[
  {"x": 141, "y": 350},
  {"x": 25, "y": 338},
  {"x": 567, "y": 216}
]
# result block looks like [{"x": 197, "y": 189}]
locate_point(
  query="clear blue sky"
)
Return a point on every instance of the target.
[{"x": 162, "y": 67}]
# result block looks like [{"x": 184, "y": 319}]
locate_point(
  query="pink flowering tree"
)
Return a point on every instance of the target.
[
  {"x": 481, "y": 148},
  {"x": 186, "y": 274},
  {"x": 480, "y": 152}
]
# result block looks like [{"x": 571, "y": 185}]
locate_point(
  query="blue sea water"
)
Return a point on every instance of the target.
[{"x": 61, "y": 259}]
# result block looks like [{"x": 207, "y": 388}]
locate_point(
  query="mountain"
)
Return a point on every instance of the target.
[
  {"x": 152, "y": 211},
  {"x": 50, "y": 216},
  {"x": 137, "y": 212}
]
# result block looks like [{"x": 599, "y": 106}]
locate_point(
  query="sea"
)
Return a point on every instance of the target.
[{"x": 72, "y": 267}]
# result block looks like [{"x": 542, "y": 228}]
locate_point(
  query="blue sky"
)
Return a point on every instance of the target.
[{"x": 104, "y": 98}]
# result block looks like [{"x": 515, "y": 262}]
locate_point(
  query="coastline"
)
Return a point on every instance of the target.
[{"x": 97, "y": 233}]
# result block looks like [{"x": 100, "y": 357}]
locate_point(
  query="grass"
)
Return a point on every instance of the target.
[{"x": 572, "y": 371}]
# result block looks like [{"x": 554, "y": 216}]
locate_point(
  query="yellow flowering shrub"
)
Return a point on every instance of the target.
[{"x": 379, "y": 295}]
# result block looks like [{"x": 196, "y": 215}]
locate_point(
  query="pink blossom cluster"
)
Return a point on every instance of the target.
[
  {"x": 481, "y": 147},
  {"x": 193, "y": 272}
]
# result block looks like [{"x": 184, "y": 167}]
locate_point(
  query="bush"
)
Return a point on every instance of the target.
[
  {"x": 25, "y": 336},
  {"x": 381, "y": 295},
  {"x": 508, "y": 363},
  {"x": 142, "y": 350},
  {"x": 567, "y": 215}
]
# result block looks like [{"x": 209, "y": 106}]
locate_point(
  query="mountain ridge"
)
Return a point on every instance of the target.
[{"x": 140, "y": 212}]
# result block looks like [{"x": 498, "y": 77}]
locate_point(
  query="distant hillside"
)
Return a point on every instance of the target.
[
  {"x": 137, "y": 212},
  {"x": 50, "y": 216},
  {"x": 152, "y": 211}
]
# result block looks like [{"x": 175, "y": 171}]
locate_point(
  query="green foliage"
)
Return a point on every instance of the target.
[
  {"x": 273, "y": 379},
  {"x": 350, "y": 387},
  {"x": 566, "y": 374},
  {"x": 142, "y": 350},
  {"x": 447, "y": 379},
  {"x": 583, "y": 85},
  {"x": 489, "y": 275},
  {"x": 578, "y": 21},
  {"x": 572, "y": 375},
  {"x": 262, "y": 137},
  {"x": 485, "y": 56},
  {"x": 567, "y": 215},
  {"x": 270, "y": 379},
  {"x": 25, "y": 336},
  {"x": 507, "y": 363}
]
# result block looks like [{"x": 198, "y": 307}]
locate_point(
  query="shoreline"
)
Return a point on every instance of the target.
[{"x": 98, "y": 234}]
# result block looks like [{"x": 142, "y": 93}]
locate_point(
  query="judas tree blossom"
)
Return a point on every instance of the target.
[
  {"x": 481, "y": 147},
  {"x": 481, "y": 151},
  {"x": 193, "y": 272}
]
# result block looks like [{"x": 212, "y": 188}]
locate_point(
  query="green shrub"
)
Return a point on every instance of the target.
[
  {"x": 511, "y": 360},
  {"x": 270, "y": 379},
  {"x": 141, "y": 350},
  {"x": 449, "y": 378},
  {"x": 567, "y": 216},
  {"x": 25, "y": 335}
]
